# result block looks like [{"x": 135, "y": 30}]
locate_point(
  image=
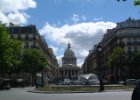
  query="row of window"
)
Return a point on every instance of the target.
[
  {"x": 132, "y": 49},
  {"x": 133, "y": 43},
  {"x": 22, "y": 30},
  {"x": 130, "y": 40},
  {"x": 130, "y": 43},
  {"x": 33, "y": 45},
  {"x": 25, "y": 37}
]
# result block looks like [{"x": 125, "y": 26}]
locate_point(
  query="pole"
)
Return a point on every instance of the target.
[{"x": 99, "y": 69}]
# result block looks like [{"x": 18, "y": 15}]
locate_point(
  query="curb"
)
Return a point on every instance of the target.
[
  {"x": 59, "y": 92},
  {"x": 66, "y": 92}
]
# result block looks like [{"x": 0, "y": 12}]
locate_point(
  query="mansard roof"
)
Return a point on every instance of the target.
[{"x": 29, "y": 29}]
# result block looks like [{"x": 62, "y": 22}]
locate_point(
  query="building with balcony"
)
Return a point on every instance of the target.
[
  {"x": 30, "y": 38},
  {"x": 125, "y": 35},
  {"x": 90, "y": 63}
]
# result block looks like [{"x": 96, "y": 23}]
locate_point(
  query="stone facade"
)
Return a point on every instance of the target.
[
  {"x": 30, "y": 38},
  {"x": 125, "y": 35},
  {"x": 90, "y": 63},
  {"x": 69, "y": 67}
]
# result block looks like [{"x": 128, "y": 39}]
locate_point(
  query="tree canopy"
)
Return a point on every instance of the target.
[
  {"x": 114, "y": 56},
  {"x": 33, "y": 61},
  {"x": 136, "y": 2},
  {"x": 13, "y": 57},
  {"x": 9, "y": 51},
  {"x": 136, "y": 60}
]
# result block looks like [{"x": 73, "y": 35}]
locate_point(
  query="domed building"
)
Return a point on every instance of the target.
[{"x": 69, "y": 67}]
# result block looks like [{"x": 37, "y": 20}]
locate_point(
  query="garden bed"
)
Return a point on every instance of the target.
[{"x": 66, "y": 88}]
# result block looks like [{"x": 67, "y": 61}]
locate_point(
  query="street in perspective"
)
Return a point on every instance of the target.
[
  {"x": 22, "y": 94},
  {"x": 69, "y": 50}
]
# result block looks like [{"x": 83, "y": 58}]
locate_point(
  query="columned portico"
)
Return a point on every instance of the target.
[{"x": 69, "y": 67}]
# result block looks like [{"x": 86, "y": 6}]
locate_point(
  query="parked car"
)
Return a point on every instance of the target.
[
  {"x": 78, "y": 82},
  {"x": 5, "y": 84},
  {"x": 137, "y": 81},
  {"x": 105, "y": 81},
  {"x": 60, "y": 83},
  {"x": 93, "y": 82},
  {"x": 136, "y": 92},
  {"x": 5, "y": 87},
  {"x": 67, "y": 82},
  {"x": 131, "y": 82},
  {"x": 121, "y": 82}
]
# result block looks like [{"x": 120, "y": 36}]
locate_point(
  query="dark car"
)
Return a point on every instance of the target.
[
  {"x": 136, "y": 92},
  {"x": 131, "y": 82},
  {"x": 4, "y": 85}
]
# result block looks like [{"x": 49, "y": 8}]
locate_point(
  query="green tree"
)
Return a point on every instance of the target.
[
  {"x": 136, "y": 63},
  {"x": 9, "y": 51},
  {"x": 114, "y": 56},
  {"x": 15, "y": 54},
  {"x": 136, "y": 2},
  {"x": 33, "y": 61},
  {"x": 114, "y": 63},
  {"x": 3, "y": 42}
]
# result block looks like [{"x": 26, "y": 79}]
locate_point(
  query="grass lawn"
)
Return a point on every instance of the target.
[{"x": 66, "y": 88}]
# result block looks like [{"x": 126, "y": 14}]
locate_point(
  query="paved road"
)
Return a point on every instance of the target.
[{"x": 21, "y": 94}]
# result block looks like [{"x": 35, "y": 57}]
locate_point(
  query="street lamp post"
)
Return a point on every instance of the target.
[
  {"x": 57, "y": 73},
  {"x": 99, "y": 69},
  {"x": 39, "y": 80},
  {"x": 42, "y": 79}
]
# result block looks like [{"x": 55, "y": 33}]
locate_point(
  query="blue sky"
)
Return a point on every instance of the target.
[
  {"x": 80, "y": 22},
  {"x": 61, "y": 11}
]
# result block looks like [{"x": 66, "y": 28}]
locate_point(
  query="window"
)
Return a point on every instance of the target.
[
  {"x": 129, "y": 49},
  {"x": 19, "y": 36},
  {"x": 34, "y": 45},
  {"x": 26, "y": 37},
  {"x": 129, "y": 42},
  {"x": 135, "y": 42},
  {"x": 12, "y": 36},
  {"x": 135, "y": 49},
  {"x": 34, "y": 37},
  {"x": 26, "y": 45}
]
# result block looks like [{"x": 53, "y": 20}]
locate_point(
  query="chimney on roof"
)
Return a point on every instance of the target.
[{"x": 11, "y": 24}]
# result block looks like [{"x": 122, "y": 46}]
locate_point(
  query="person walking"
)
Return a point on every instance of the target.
[{"x": 101, "y": 89}]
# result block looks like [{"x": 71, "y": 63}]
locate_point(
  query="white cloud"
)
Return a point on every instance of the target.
[
  {"x": 3, "y": 18},
  {"x": 75, "y": 18},
  {"x": 97, "y": 19},
  {"x": 14, "y": 10},
  {"x": 82, "y": 36},
  {"x": 55, "y": 49},
  {"x": 59, "y": 58},
  {"x": 18, "y": 18},
  {"x": 84, "y": 18}
]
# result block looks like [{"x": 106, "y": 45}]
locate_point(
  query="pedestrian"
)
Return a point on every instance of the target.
[
  {"x": 101, "y": 85},
  {"x": 136, "y": 92}
]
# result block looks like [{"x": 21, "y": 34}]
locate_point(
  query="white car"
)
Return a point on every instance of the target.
[{"x": 93, "y": 82}]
